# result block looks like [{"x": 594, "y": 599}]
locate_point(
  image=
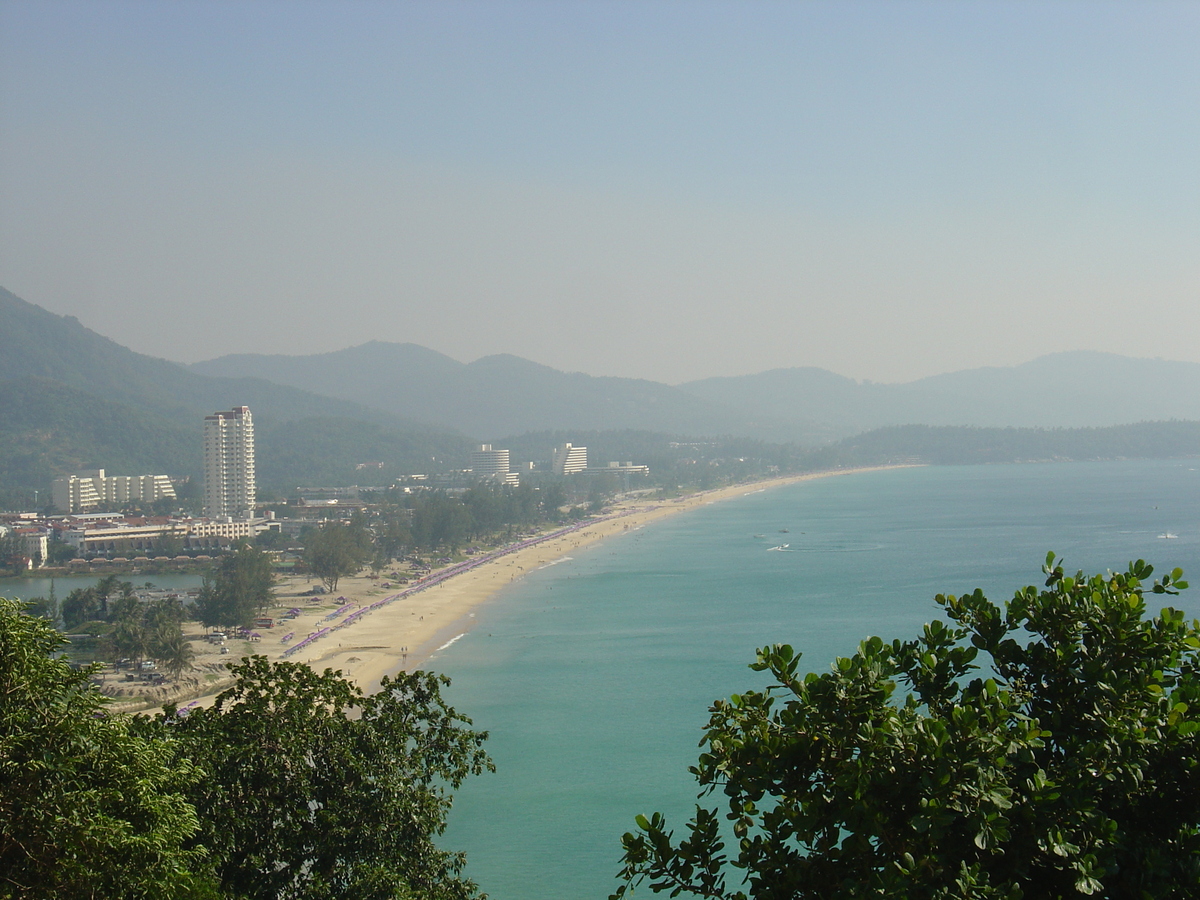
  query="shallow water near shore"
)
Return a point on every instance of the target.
[{"x": 594, "y": 675}]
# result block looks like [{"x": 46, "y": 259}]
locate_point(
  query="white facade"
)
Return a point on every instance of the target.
[
  {"x": 120, "y": 536},
  {"x": 489, "y": 463},
  {"x": 569, "y": 459},
  {"x": 618, "y": 468},
  {"x": 229, "y": 485},
  {"x": 84, "y": 490}
]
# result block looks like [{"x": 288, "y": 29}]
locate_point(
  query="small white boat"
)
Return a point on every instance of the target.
[{"x": 1167, "y": 536}]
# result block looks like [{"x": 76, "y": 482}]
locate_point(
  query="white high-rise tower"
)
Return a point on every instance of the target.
[{"x": 229, "y": 487}]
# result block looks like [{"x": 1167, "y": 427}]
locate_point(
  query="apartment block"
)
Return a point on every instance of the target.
[
  {"x": 229, "y": 483},
  {"x": 91, "y": 488},
  {"x": 568, "y": 459}
]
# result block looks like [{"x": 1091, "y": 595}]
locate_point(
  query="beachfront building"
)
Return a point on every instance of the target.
[
  {"x": 91, "y": 488},
  {"x": 92, "y": 536},
  {"x": 568, "y": 459},
  {"x": 618, "y": 468},
  {"x": 229, "y": 485},
  {"x": 487, "y": 463}
]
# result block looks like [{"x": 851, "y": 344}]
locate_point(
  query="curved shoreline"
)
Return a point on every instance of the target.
[{"x": 379, "y": 632}]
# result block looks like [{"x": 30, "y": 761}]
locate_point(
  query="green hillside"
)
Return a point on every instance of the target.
[
  {"x": 48, "y": 429},
  {"x": 72, "y": 399},
  {"x": 41, "y": 344}
]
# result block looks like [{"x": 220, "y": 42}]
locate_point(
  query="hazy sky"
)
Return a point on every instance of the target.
[{"x": 652, "y": 189}]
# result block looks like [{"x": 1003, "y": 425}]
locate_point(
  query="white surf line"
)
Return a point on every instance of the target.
[
  {"x": 555, "y": 562},
  {"x": 449, "y": 642}
]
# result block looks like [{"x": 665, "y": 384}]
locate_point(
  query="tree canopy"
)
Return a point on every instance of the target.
[
  {"x": 292, "y": 785},
  {"x": 334, "y": 551},
  {"x": 88, "y": 808},
  {"x": 240, "y": 589},
  {"x": 312, "y": 790},
  {"x": 1044, "y": 749}
]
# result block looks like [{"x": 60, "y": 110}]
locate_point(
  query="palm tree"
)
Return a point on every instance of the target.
[{"x": 172, "y": 651}]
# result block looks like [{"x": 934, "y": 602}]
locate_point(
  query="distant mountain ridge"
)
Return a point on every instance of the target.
[
  {"x": 1076, "y": 389},
  {"x": 493, "y": 396},
  {"x": 41, "y": 344},
  {"x": 71, "y": 398},
  {"x": 507, "y": 395}
]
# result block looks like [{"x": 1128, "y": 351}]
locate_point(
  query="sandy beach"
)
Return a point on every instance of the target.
[{"x": 366, "y": 630}]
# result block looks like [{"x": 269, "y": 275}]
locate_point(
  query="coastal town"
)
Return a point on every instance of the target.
[{"x": 481, "y": 527}]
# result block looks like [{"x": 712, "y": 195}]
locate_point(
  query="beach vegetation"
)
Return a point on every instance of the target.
[
  {"x": 336, "y": 550},
  {"x": 1046, "y": 748},
  {"x": 239, "y": 589}
]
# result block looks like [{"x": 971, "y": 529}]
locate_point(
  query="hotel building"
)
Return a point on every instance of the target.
[
  {"x": 568, "y": 459},
  {"x": 229, "y": 486},
  {"x": 489, "y": 463},
  {"x": 85, "y": 490}
]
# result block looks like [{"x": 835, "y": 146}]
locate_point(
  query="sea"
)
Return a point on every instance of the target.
[{"x": 593, "y": 676}]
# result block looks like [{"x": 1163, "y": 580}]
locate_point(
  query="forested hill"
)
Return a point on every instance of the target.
[
  {"x": 41, "y": 344},
  {"x": 497, "y": 395},
  {"x": 73, "y": 399}
]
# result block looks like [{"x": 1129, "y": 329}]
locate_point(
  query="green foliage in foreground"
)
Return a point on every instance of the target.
[
  {"x": 1069, "y": 769},
  {"x": 312, "y": 790},
  {"x": 293, "y": 785},
  {"x": 88, "y": 808}
]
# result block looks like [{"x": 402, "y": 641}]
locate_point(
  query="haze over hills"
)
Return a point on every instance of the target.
[
  {"x": 1072, "y": 389},
  {"x": 38, "y": 343},
  {"x": 506, "y": 395},
  {"x": 493, "y": 396},
  {"x": 73, "y": 399}
]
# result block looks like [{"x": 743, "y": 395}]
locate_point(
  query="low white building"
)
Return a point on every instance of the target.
[
  {"x": 618, "y": 468},
  {"x": 91, "y": 488},
  {"x": 34, "y": 546},
  {"x": 119, "y": 536}
]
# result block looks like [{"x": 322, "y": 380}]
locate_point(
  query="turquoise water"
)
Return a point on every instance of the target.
[{"x": 594, "y": 675}]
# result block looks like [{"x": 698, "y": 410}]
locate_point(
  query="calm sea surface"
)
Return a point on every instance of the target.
[
  {"x": 28, "y": 588},
  {"x": 594, "y": 675}
]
